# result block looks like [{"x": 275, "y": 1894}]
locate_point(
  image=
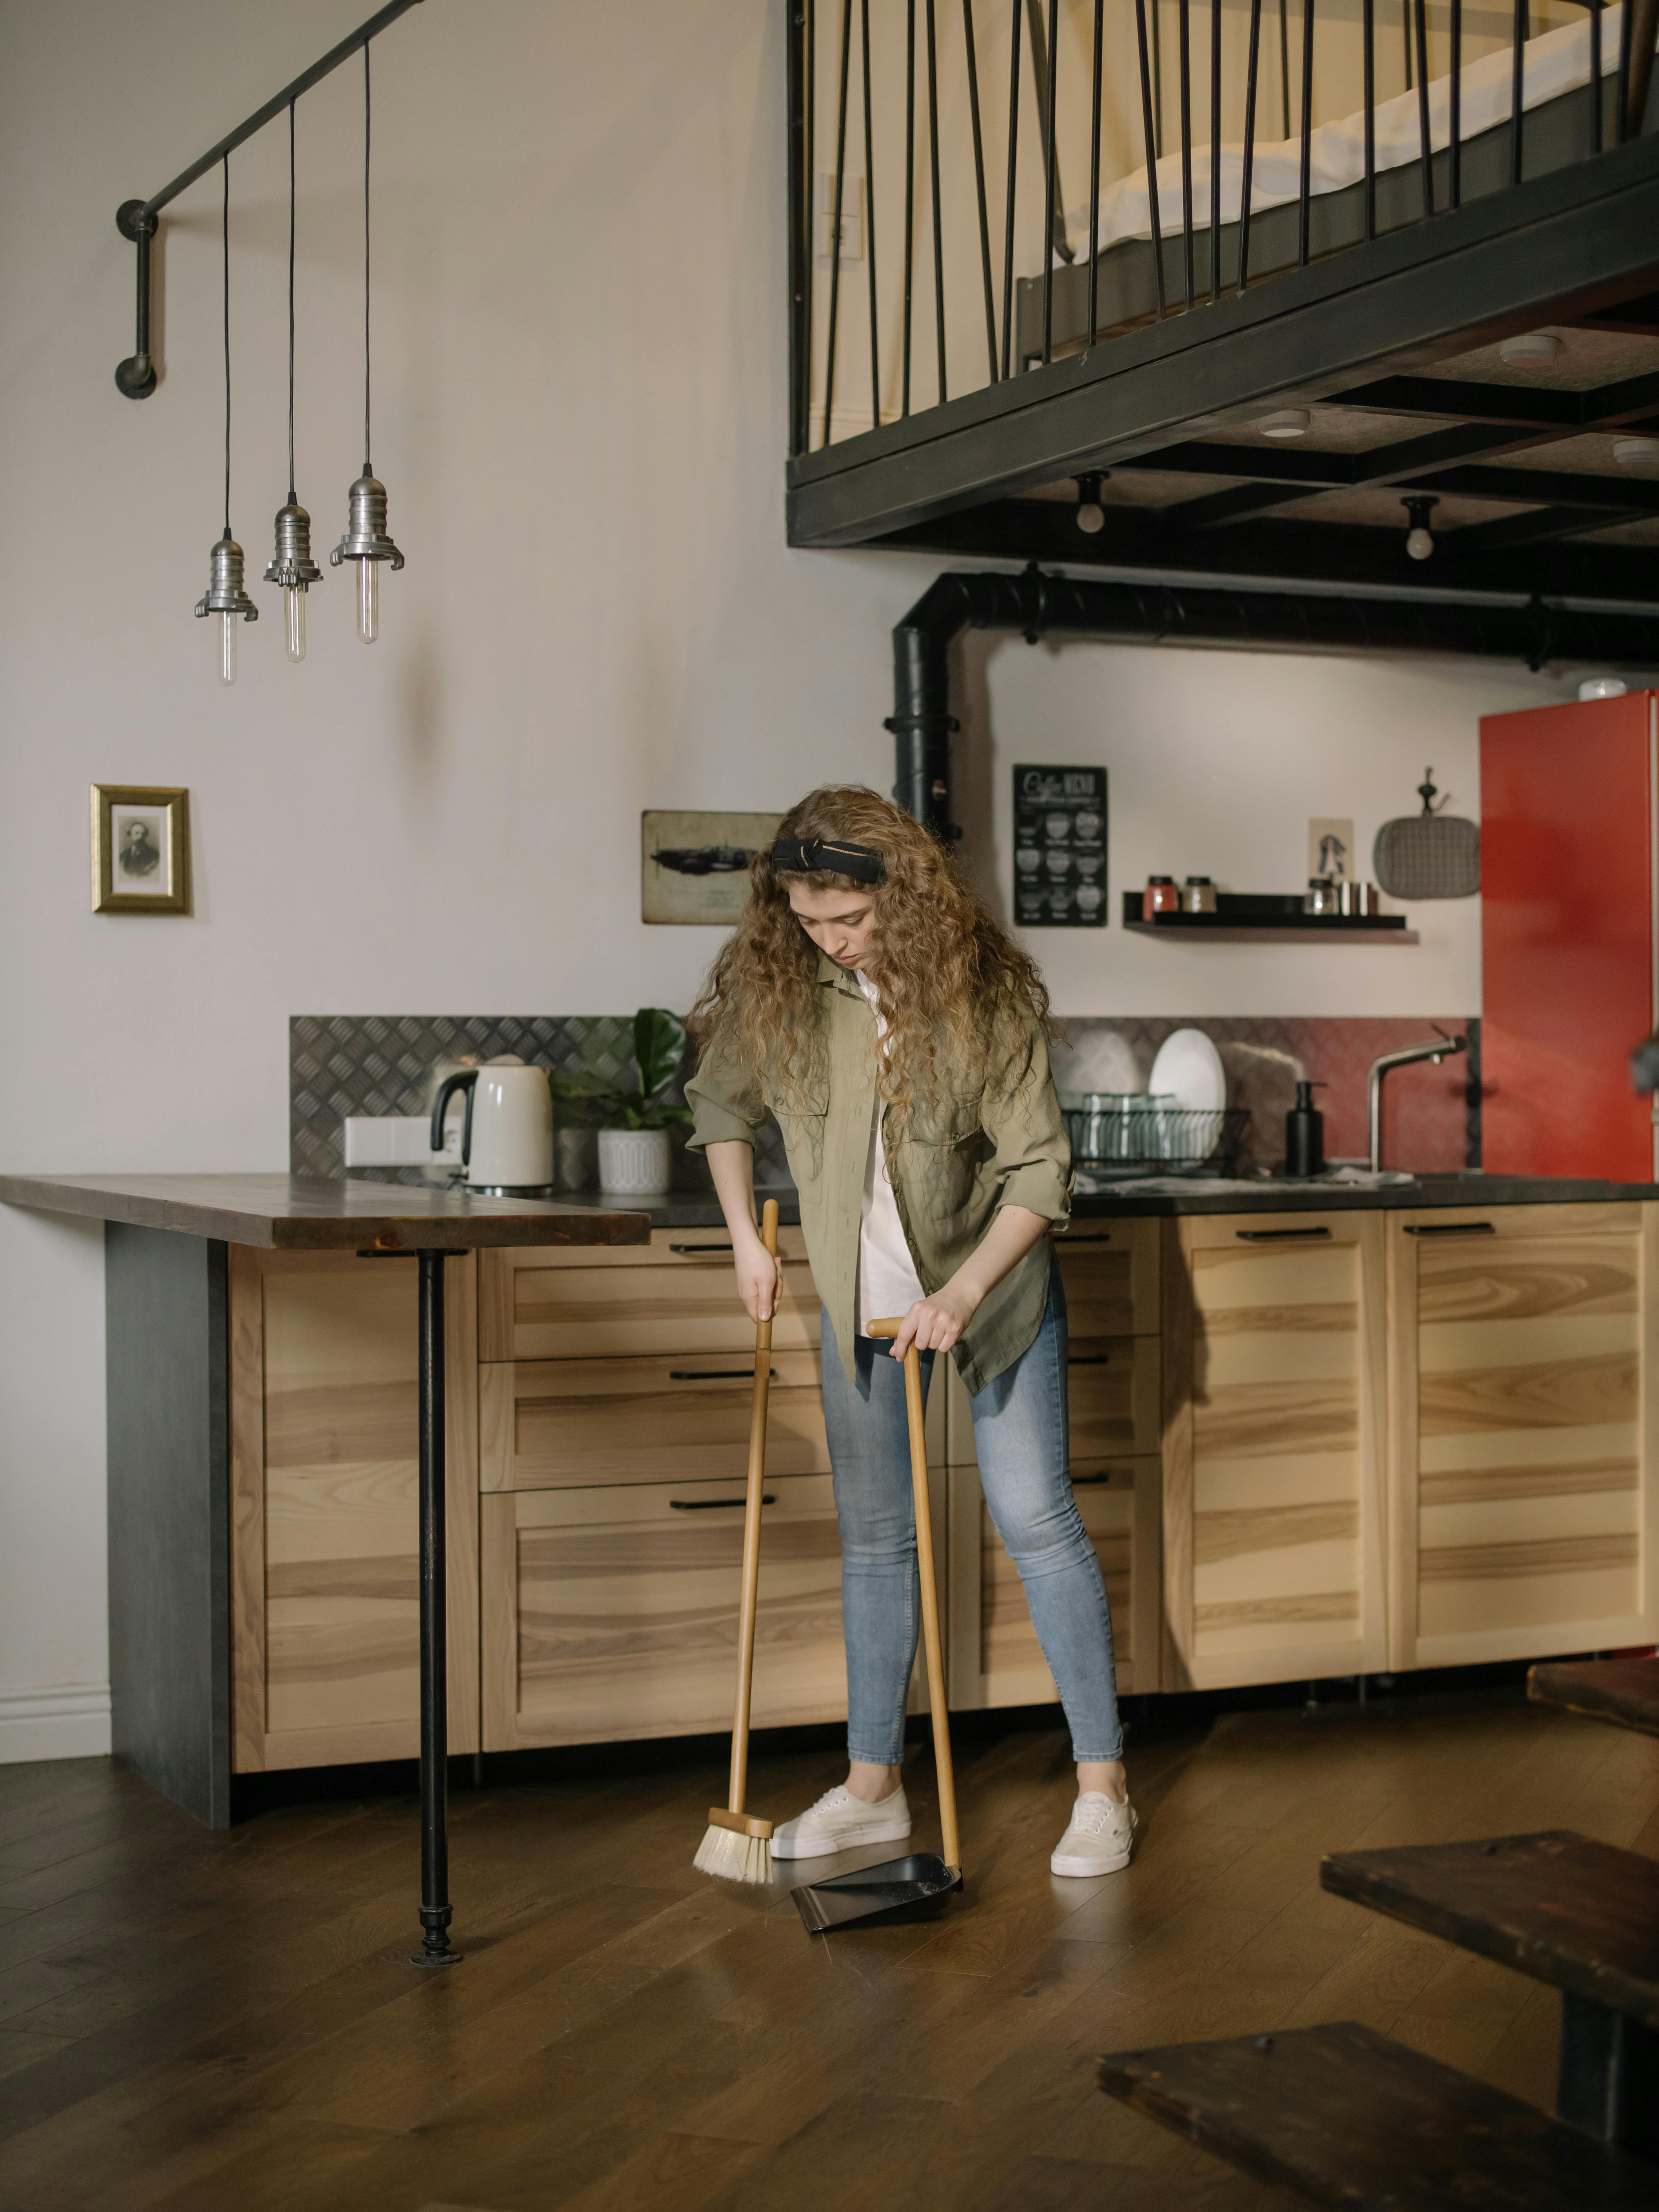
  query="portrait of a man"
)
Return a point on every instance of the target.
[
  {"x": 140, "y": 849},
  {"x": 140, "y": 854}
]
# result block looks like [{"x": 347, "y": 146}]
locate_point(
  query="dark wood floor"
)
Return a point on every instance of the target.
[{"x": 224, "y": 2023}]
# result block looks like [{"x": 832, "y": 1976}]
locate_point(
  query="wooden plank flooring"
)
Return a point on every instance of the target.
[{"x": 193, "y": 2023}]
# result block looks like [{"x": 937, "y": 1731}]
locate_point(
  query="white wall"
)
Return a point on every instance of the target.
[{"x": 579, "y": 416}]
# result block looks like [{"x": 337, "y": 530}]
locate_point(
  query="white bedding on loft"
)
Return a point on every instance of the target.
[{"x": 1557, "y": 62}]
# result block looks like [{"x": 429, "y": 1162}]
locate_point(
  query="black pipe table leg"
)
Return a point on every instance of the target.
[
  {"x": 435, "y": 1908},
  {"x": 1609, "y": 2078}
]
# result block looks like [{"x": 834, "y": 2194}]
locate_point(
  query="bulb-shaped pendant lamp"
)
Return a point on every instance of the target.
[
  {"x": 367, "y": 541},
  {"x": 1420, "y": 539},
  {"x": 225, "y": 596},
  {"x": 291, "y": 565}
]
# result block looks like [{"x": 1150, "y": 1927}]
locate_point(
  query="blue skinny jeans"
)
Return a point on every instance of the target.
[{"x": 1021, "y": 1439}]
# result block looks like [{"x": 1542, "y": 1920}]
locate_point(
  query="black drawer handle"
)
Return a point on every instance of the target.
[
  {"x": 717, "y": 1374},
  {"x": 1276, "y": 1235},
  {"x": 701, "y": 1247},
  {"x": 1090, "y": 1359},
  {"x": 1078, "y": 1481},
  {"x": 1452, "y": 1229},
  {"x": 714, "y": 1504}
]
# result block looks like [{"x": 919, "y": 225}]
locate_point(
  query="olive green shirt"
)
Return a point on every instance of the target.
[{"x": 994, "y": 1144}]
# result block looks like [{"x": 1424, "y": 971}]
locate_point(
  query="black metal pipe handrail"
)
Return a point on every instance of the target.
[{"x": 135, "y": 219}]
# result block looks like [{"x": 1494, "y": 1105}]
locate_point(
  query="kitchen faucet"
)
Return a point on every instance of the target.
[{"x": 1440, "y": 1047}]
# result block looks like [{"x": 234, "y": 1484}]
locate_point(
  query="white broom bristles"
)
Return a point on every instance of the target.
[{"x": 733, "y": 1858}]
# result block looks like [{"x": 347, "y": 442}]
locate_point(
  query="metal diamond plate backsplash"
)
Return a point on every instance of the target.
[{"x": 340, "y": 1064}]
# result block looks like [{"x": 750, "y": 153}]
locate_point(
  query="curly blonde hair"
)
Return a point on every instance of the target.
[{"x": 953, "y": 983}]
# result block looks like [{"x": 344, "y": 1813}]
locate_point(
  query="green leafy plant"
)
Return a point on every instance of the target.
[{"x": 659, "y": 1051}]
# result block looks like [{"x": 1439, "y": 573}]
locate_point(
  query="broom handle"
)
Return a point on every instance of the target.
[
  {"x": 751, "y": 1533},
  {"x": 915, "y": 1414}
]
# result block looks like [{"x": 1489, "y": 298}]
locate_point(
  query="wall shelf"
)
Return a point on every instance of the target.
[{"x": 1267, "y": 916}]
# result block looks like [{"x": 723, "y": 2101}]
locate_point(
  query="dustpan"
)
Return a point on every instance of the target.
[{"x": 920, "y": 1883}]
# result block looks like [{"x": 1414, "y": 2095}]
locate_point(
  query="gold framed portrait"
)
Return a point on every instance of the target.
[{"x": 140, "y": 849}]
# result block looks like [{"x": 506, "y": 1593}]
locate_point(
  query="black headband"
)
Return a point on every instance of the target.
[{"x": 806, "y": 855}]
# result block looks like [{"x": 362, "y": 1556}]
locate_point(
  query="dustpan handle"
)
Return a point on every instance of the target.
[
  {"x": 915, "y": 1414},
  {"x": 751, "y": 1533}
]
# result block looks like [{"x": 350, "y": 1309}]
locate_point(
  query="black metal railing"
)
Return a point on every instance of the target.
[{"x": 916, "y": 87}]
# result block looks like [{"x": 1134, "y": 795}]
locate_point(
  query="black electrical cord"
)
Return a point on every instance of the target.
[
  {"x": 367, "y": 448},
  {"x": 292, "y": 500},
  {"x": 225, "y": 230}
]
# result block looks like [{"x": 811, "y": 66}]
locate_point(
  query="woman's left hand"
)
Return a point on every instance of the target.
[{"x": 934, "y": 1324}]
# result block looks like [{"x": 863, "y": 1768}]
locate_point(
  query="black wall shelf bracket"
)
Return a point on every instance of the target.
[{"x": 136, "y": 219}]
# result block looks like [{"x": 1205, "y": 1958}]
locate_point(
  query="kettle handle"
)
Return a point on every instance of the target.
[{"x": 446, "y": 1090}]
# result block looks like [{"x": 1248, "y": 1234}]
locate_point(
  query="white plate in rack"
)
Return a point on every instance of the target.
[{"x": 1189, "y": 1066}]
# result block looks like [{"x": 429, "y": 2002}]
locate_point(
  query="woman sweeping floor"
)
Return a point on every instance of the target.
[{"x": 868, "y": 1001}]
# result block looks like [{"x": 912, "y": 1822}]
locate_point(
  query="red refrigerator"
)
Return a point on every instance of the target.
[{"x": 1568, "y": 937}]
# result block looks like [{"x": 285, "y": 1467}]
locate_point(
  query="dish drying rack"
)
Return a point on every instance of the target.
[{"x": 1125, "y": 1134}]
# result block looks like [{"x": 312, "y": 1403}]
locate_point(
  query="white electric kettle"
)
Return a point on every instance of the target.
[{"x": 506, "y": 1139}]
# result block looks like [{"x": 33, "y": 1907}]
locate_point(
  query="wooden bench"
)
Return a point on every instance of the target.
[
  {"x": 1344, "y": 2116},
  {"x": 1624, "y": 1691}
]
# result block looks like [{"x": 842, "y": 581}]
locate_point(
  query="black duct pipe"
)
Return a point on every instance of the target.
[{"x": 1037, "y": 604}]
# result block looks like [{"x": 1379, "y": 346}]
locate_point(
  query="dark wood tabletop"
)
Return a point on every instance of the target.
[{"x": 309, "y": 1213}]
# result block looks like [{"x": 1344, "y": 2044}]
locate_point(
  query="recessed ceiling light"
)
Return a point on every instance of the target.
[
  {"x": 1530, "y": 348},
  {"x": 1635, "y": 453},
  {"x": 1288, "y": 422}
]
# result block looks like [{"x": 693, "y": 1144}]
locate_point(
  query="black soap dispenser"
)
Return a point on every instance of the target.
[{"x": 1305, "y": 1135}]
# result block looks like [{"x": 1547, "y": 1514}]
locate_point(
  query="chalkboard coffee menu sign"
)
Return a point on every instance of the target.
[{"x": 1060, "y": 848}]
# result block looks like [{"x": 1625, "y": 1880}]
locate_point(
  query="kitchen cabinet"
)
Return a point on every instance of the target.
[
  {"x": 1111, "y": 1273},
  {"x": 325, "y": 1636},
  {"x": 1522, "y": 1431},
  {"x": 1273, "y": 1368}
]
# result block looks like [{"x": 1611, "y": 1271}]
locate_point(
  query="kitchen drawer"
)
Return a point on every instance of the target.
[
  {"x": 677, "y": 1294},
  {"x": 994, "y": 1655},
  {"x": 1112, "y": 1400},
  {"x": 610, "y": 1614},
  {"x": 550, "y": 1424},
  {"x": 1109, "y": 1269}
]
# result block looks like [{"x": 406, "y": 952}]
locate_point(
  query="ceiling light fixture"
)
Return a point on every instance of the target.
[
  {"x": 1419, "y": 540},
  {"x": 1635, "y": 453},
  {"x": 224, "y": 596},
  {"x": 291, "y": 565},
  {"x": 1091, "y": 516},
  {"x": 366, "y": 541},
  {"x": 1528, "y": 350},
  {"x": 1287, "y": 422}
]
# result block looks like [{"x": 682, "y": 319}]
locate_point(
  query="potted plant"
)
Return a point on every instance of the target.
[{"x": 634, "y": 1125}]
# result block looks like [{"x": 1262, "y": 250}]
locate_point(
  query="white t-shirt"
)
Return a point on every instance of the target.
[{"x": 888, "y": 1287}]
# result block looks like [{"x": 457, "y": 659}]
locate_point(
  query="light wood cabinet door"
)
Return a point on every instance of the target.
[
  {"x": 1273, "y": 1375},
  {"x": 612, "y": 1613},
  {"x": 1522, "y": 1432},
  {"x": 546, "y": 1423},
  {"x": 324, "y": 1627},
  {"x": 1110, "y": 1273},
  {"x": 676, "y": 1294},
  {"x": 994, "y": 1655}
]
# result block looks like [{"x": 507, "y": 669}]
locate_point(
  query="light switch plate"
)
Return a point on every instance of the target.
[{"x": 399, "y": 1140}]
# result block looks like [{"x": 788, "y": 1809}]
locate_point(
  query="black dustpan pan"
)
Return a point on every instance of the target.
[
  {"x": 918, "y": 1885},
  {"x": 913, "y": 1888}
]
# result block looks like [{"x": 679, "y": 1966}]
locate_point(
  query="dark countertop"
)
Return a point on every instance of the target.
[{"x": 307, "y": 1213}]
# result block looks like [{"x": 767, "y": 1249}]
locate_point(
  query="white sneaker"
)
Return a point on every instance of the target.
[
  {"x": 839, "y": 1821},
  {"x": 1099, "y": 1840}
]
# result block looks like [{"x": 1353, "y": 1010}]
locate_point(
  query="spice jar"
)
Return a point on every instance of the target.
[
  {"x": 1160, "y": 896},
  {"x": 1321, "y": 896},
  {"x": 1197, "y": 896}
]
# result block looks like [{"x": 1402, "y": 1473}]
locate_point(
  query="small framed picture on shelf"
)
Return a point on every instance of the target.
[{"x": 140, "y": 849}]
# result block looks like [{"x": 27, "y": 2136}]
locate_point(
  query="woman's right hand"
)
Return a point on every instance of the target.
[{"x": 760, "y": 1281}]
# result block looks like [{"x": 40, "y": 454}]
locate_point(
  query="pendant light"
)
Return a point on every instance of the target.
[
  {"x": 1420, "y": 539},
  {"x": 224, "y": 596},
  {"x": 1091, "y": 516},
  {"x": 366, "y": 541},
  {"x": 291, "y": 565}
]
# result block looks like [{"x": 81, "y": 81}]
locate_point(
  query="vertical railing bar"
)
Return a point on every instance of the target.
[
  {"x": 1247, "y": 178},
  {"x": 1304, "y": 235},
  {"x": 1369, "y": 33},
  {"x": 1594, "y": 6},
  {"x": 1406, "y": 39},
  {"x": 870, "y": 203},
  {"x": 1183, "y": 16},
  {"x": 1014, "y": 18},
  {"x": 800, "y": 257},
  {"x": 1215, "y": 151},
  {"x": 979, "y": 186},
  {"x": 1425, "y": 141},
  {"x": 1157, "y": 79},
  {"x": 1053, "y": 60},
  {"x": 811, "y": 189},
  {"x": 1517, "y": 77},
  {"x": 938, "y": 219},
  {"x": 834, "y": 221},
  {"x": 1454, "y": 151},
  {"x": 1149, "y": 140},
  {"x": 1040, "y": 47},
  {"x": 1621, "y": 119},
  {"x": 1094, "y": 174},
  {"x": 909, "y": 191},
  {"x": 1285, "y": 59}
]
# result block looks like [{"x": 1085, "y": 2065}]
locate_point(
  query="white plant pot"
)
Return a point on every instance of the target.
[{"x": 634, "y": 1162}]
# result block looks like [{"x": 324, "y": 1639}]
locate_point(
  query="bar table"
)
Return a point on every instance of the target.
[{"x": 167, "y": 1351}]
